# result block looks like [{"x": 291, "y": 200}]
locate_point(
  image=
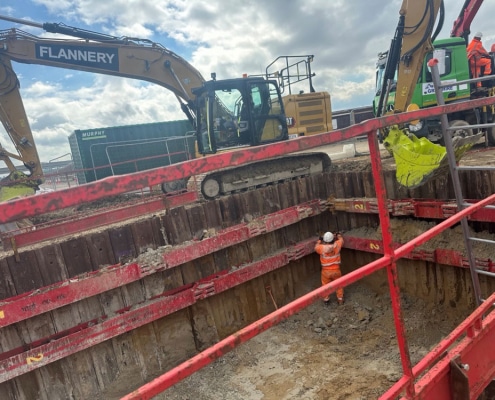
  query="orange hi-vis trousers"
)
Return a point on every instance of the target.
[{"x": 329, "y": 275}]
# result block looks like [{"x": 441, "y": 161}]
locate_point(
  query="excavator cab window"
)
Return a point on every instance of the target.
[{"x": 239, "y": 112}]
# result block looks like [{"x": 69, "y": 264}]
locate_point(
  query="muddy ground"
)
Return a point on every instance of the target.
[{"x": 346, "y": 352}]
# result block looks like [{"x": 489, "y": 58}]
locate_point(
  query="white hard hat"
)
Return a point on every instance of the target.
[
  {"x": 478, "y": 35},
  {"x": 328, "y": 237}
]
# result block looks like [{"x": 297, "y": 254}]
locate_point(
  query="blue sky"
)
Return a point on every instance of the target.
[{"x": 229, "y": 37}]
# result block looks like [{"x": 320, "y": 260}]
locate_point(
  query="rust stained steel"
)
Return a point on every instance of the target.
[
  {"x": 474, "y": 349},
  {"x": 42, "y": 233},
  {"x": 392, "y": 276},
  {"x": 19, "y": 361},
  {"x": 440, "y": 256},
  {"x": 110, "y": 186},
  {"x": 214, "y": 352},
  {"x": 419, "y": 208},
  {"x": 48, "y": 298}
]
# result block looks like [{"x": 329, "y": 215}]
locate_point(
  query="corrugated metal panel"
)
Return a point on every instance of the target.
[
  {"x": 117, "y": 150},
  {"x": 344, "y": 118}
]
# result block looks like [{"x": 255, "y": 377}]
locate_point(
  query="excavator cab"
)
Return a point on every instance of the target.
[{"x": 240, "y": 112}]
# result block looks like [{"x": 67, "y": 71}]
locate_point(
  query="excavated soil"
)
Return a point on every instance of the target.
[{"x": 346, "y": 352}]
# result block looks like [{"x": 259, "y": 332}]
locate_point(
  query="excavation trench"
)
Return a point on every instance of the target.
[{"x": 138, "y": 316}]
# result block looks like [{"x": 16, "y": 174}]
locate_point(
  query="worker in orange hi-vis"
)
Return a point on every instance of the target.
[
  {"x": 328, "y": 247},
  {"x": 480, "y": 61}
]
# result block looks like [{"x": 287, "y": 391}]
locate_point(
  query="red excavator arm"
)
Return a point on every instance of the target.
[{"x": 462, "y": 25}]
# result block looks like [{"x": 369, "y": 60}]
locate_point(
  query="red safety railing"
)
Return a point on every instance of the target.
[{"x": 478, "y": 331}]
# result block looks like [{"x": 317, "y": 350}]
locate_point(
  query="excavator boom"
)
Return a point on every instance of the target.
[
  {"x": 417, "y": 158},
  {"x": 92, "y": 52},
  {"x": 462, "y": 25},
  {"x": 15, "y": 122},
  {"x": 227, "y": 114},
  {"x": 419, "y": 22}
]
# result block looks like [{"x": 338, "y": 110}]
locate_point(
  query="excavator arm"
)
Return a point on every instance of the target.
[
  {"x": 91, "y": 52},
  {"x": 419, "y": 22},
  {"x": 462, "y": 25},
  {"x": 15, "y": 122},
  {"x": 417, "y": 159},
  {"x": 228, "y": 114}
]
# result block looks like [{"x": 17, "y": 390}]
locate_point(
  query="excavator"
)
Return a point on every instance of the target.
[
  {"x": 404, "y": 83},
  {"x": 227, "y": 114}
]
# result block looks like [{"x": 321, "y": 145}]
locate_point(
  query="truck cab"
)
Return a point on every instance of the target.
[{"x": 454, "y": 67}]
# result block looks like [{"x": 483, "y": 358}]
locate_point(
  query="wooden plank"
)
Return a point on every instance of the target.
[
  {"x": 145, "y": 345},
  {"x": 230, "y": 215},
  {"x": 100, "y": 250},
  {"x": 249, "y": 302},
  {"x": 356, "y": 179},
  {"x": 52, "y": 264},
  {"x": 55, "y": 376},
  {"x": 226, "y": 312},
  {"x": 175, "y": 339},
  {"x": 176, "y": 226},
  {"x": 200, "y": 268},
  {"x": 259, "y": 246},
  {"x": 7, "y": 288},
  {"x": 25, "y": 272},
  {"x": 28, "y": 386},
  {"x": 56, "y": 381},
  {"x": 237, "y": 255},
  {"x": 8, "y": 391},
  {"x": 368, "y": 184},
  {"x": 82, "y": 374},
  {"x": 144, "y": 236},
  {"x": 106, "y": 369},
  {"x": 76, "y": 256},
  {"x": 293, "y": 193},
  {"x": 249, "y": 204},
  {"x": 212, "y": 214},
  {"x": 203, "y": 325},
  {"x": 158, "y": 231},
  {"x": 196, "y": 220},
  {"x": 271, "y": 200},
  {"x": 303, "y": 190},
  {"x": 283, "y": 189},
  {"x": 122, "y": 243}
]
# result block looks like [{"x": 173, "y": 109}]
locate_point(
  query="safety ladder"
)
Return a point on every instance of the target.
[{"x": 454, "y": 171}]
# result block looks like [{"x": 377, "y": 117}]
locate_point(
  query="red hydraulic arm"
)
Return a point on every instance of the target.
[{"x": 462, "y": 25}]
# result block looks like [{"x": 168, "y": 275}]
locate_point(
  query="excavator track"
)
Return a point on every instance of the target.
[{"x": 259, "y": 174}]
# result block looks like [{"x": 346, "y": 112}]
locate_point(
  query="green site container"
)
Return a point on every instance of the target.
[{"x": 119, "y": 150}]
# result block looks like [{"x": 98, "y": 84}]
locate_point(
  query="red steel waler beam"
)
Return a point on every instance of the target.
[
  {"x": 419, "y": 208},
  {"x": 439, "y": 256},
  {"x": 48, "y": 298},
  {"x": 110, "y": 186},
  {"x": 19, "y": 361},
  {"x": 476, "y": 351},
  {"x": 17, "y": 239},
  {"x": 221, "y": 348},
  {"x": 214, "y": 352}
]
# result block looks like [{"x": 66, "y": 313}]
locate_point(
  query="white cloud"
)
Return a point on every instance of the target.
[{"x": 229, "y": 37}]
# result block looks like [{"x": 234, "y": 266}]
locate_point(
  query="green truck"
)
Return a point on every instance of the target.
[{"x": 452, "y": 55}]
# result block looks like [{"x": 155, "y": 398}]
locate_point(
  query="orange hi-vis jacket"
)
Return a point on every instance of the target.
[
  {"x": 476, "y": 51},
  {"x": 329, "y": 254}
]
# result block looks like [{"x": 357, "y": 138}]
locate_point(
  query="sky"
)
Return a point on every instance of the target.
[{"x": 228, "y": 37}]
